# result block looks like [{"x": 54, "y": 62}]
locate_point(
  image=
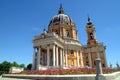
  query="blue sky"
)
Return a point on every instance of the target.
[{"x": 21, "y": 20}]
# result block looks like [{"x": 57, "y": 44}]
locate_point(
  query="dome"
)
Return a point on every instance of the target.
[{"x": 61, "y": 17}]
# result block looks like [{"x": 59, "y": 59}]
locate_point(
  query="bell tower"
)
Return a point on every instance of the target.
[{"x": 90, "y": 29}]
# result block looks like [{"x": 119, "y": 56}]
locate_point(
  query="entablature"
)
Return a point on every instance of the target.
[{"x": 52, "y": 38}]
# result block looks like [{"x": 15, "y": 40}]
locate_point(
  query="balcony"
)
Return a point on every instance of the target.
[{"x": 99, "y": 44}]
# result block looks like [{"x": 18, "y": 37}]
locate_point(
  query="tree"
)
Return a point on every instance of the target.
[
  {"x": 4, "y": 67},
  {"x": 23, "y": 66},
  {"x": 14, "y": 64},
  {"x": 29, "y": 66}
]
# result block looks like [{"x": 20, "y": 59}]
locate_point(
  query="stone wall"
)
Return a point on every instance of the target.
[{"x": 63, "y": 77}]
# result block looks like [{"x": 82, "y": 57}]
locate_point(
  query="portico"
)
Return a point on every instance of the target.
[{"x": 50, "y": 56}]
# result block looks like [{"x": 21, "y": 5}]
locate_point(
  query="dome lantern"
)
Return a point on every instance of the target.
[
  {"x": 60, "y": 11},
  {"x": 61, "y": 17}
]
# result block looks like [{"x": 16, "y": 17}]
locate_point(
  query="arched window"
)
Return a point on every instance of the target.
[
  {"x": 91, "y": 36},
  {"x": 67, "y": 33}
]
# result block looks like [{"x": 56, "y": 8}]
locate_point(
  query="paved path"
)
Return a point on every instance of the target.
[
  {"x": 30, "y": 79},
  {"x": 118, "y": 78},
  {"x": 12, "y": 79}
]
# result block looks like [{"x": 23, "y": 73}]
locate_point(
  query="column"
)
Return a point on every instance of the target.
[
  {"x": 90, "y": 60},
  {"x": 98, "y": 54},
  {"x": 38, "y": 58},
  {"x": 53, "y": 55},
  {"x": 66, "y": 59},
  {"x": 33, "y": 67},
  {"x": 60, "y": 30},
  {"x": 56, "y": 55},
  {"x": 81, "y": 58},
  {"x": 105, "y": 58},
  {"x": 42, "y": 53},
  {"x": 45, "y": 59},
  {"x": 77, "y": 59},
  {"x": 61, "y": 57},
  {"x": 48, "y": 55}
]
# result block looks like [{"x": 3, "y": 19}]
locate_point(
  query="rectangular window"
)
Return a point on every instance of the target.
[
  {"x": 67, "y": 33},
  {"x": 72, "y": 52}
]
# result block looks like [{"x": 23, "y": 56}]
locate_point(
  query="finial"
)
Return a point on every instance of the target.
[
  {"x": 60, "y": 11},
  {"x": 88, "y": 19},
  {"x": 60, "y": 5},
  {"x": 89, "y": 22},
  {"x": 44, "y": 30}
]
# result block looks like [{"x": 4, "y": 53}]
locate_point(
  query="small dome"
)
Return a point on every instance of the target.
[{"x": 61, "y": 17}]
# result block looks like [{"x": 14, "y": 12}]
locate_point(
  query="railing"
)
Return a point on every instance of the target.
[
  {"x": 71, "y": 41},
  {"x": 48, "y": 35},
  {"x": 99, "y": 44},
  {"x": 53, "y": 34}
]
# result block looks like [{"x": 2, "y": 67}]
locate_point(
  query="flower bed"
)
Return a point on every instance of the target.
[{"x": 66, "y": 71}]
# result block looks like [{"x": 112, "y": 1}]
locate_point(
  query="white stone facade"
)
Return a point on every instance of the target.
[{"x": 15, "y": 70}]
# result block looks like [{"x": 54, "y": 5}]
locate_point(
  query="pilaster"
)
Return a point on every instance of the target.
[
  {"x": 66, "y": 57},
  {"x": 48, "y": 55},
  {"x": 81, "y": 58},
  {"x": 63, "y": 58},
  {"x": 90, "y": 60}
]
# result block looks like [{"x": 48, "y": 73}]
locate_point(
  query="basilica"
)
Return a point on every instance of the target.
[{"x": 59, "y": 47}]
